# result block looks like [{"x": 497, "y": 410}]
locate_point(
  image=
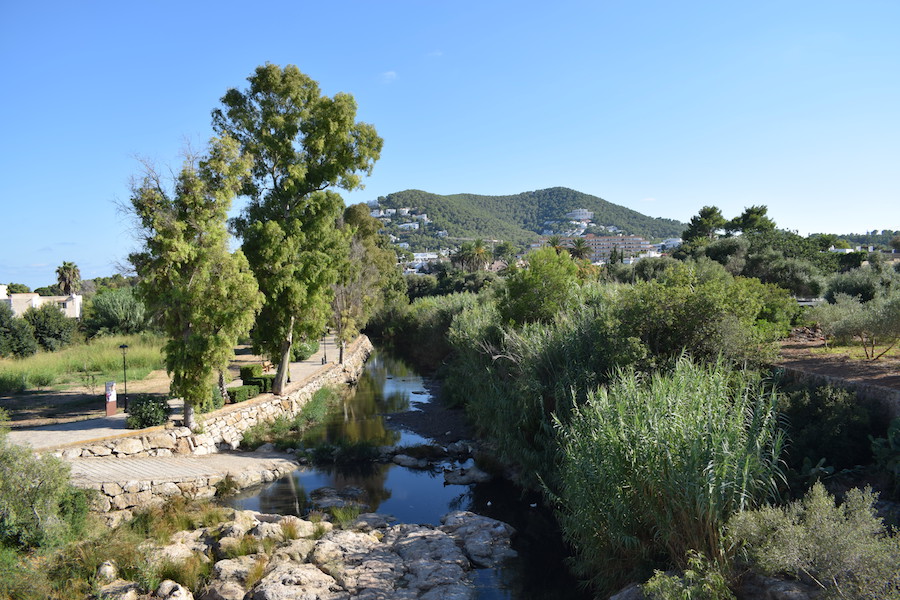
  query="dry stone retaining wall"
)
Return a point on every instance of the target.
[
  {"x": 888, "y": 399},
  {"x": 224, "y": 428}
]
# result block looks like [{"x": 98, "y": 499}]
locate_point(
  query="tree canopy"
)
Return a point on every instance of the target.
[
  {"x": 203, "y": 296},
  {"x": 69, "y": 278},
  {"x": 302, "y": 144}
]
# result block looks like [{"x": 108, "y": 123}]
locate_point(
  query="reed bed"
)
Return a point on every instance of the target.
[
  {"x": 653, "y": 468},
  {"x": 100, "y": 358}
]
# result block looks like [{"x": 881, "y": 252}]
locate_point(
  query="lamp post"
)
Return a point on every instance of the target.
[{"x": 124, "y": 349}]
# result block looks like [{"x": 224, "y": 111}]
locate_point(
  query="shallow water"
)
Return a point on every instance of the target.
[{"x": 418, "y": 496}]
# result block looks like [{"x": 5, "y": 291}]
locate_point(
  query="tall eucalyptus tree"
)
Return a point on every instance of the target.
[{"x": 303, "y": 144}]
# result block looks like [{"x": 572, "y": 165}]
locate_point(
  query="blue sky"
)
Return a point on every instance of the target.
[{"x": 663, "y": 107}]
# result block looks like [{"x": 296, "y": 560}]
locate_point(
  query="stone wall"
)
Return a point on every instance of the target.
[
  {"x": 223, "y": 429},
  {"x": 887, "y": 399}
]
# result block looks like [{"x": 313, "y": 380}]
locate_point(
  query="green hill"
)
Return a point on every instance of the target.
[{"x": 520, "y": 218}]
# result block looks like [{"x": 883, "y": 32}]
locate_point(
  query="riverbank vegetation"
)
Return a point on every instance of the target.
[{"x": 643, "y": 407}]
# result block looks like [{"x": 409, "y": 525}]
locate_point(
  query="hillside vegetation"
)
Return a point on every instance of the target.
[{"x": 519, "y": 218}]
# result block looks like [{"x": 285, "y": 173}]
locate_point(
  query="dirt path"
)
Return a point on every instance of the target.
[
  {"x": 803, "y": 352},
  {"x": 78, "y": 402}
]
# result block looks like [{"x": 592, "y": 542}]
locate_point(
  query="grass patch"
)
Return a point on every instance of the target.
[
  {"x": 256, "y": 572},
  {"x": 342, "y": 516},
  {"x": 193, "y": 573},
  {"x": 98, "y": 360},
  {"x": 287, "y": 432},
  {"x": 853, "y": 349}
]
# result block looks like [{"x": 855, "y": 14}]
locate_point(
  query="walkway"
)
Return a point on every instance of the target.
[
  {"x": 87, "y": 471},
  {"x": 91, "y": 430}
]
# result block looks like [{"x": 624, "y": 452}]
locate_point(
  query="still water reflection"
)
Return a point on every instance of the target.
[{"x": 420, "y": 496}]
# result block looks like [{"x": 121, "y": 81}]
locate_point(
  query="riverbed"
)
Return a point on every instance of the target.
[{"x": 387, "y": 387}]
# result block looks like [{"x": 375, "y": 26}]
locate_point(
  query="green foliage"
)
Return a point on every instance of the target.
[
  {"x": 705, "y": 226},
  {"x": 52, "y": 329},
  {"x": 17, "y": 288},
  {"x": 540, "y": 291},
  {"x": 302, "y": 144},
  {"x": 702, "y": 580},
  {"x": 344, "y": 515},
  {"x": 825, "y": 422},
  {"x": 418, "y": 330},
  {"x": 872, "y": 323},
  {"x": 204, "y": 296},
  {"x": 263, "y": 382},
  {"x": 192, "y": 572},
  {"x": 116, "y": 311},
  {"x": 652, "y": 469},
  {"x": 16, "y": 335},
  {"x": 864, "y": 283},
  {"x": 38, "y": 505},
  {"x": 886, "y": 451},
  {"x": 303, "y": 349},
  {"x": 345, "y": 453},
  {"x": 250, "y": 372},
  {"x": 100, "y": 357},
  {"x": 69, "y": 278},
  {"x": 519, "y": 218},
  {"x": 845, "y": 550},
  {"x": 242, "y": 392},
  {"x": 706, "y": 313},
  {"x": 147, "y": 411}
]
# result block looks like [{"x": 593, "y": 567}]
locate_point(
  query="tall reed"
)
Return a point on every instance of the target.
[{"x": 653, "y": 468}]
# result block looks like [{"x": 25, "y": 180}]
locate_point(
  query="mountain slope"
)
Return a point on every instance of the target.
[{"x": 520, "y": 217}]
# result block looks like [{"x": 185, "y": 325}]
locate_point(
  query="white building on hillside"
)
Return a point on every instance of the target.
[{"x": 69, "y": 305}]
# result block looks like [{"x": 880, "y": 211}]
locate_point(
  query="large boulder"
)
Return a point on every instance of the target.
[{"x": 485, "y": 541}]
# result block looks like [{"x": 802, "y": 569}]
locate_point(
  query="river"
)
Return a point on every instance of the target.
[{"x": 389, "y": 385}]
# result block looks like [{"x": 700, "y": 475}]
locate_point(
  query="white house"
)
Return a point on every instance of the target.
[
  {"x": 409, "y": 226},
  {"x": 69, "y": 305}
]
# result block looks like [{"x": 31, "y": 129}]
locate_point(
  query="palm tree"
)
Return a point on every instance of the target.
[
  {"x": 580, "y": 249},
  {"x": 480, "y": 255},
  {"x": 555, "y": 242},
  {"x": 69, "y": 278}
]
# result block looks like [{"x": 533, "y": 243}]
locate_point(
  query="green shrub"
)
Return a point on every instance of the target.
[
  {"x": 250, "y": 371},
  {"x": 116, "y": 311},
  {"x": 826, "y": 422},
  {"x": 38, "y": 505},
  {"x": 243, "y": 392},
  {"x": 653, "y": 469},
  {"x": 843, "y": 549},
  {"x": 303, "y": 349},
  {"x": 16, "y": 335},
  {"x": 52, "y": 329},
  {"x": 887, "y": 454},
  {"x": 702, "y": 580},
  {"x": 263, "y": 382},
  {"x": 147, "y": 411}
]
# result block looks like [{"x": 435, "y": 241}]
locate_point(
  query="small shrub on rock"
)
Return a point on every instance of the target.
[
  {"x": 845, "y": 550},
  {"x": 147, "y": 411}
]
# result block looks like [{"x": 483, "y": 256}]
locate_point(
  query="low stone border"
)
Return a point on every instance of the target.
[
  {"x": 118, "y": 500},
  {"x": 888, "y": 399},
  {"x": 223, "y": 428}
]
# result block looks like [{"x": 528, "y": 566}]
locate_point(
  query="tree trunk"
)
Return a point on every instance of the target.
[
  {"x": 189, "y": 416},
  {"x": 341, "y": 354},
  {"x": 222, "y": 389},
  {"x": 284, "y": 365}
]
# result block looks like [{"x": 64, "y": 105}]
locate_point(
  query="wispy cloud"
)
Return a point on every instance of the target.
[
  {"x": 388, "y": 77},
  {"x": 649, "y": 200},
  {"x": 435, "y": 54}
]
